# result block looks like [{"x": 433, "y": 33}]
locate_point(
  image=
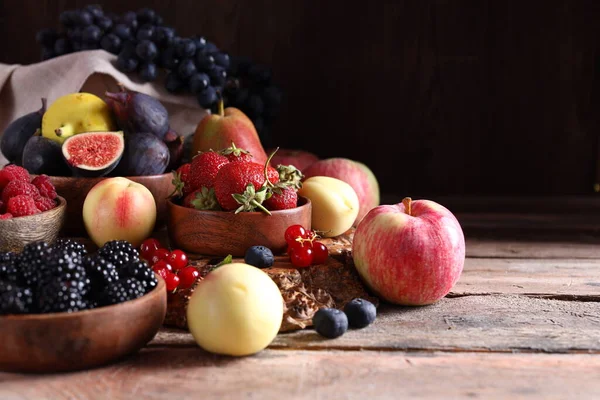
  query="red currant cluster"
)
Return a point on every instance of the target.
[
  {"x": 172, "y": 265},
  {"x": 303, "y": 248}
]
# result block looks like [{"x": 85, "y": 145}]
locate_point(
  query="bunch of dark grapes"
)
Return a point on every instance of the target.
[{"x": 194, "y": 65}]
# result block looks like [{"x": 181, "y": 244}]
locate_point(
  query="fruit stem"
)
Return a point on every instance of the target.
[
  {"x": 407, "y": 205},
  {"x": 221, "y": 106},
  {"x": 266, "y": 170}
]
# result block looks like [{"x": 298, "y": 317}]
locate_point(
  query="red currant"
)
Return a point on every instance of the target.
[
  {"x": 320, "y": 253},
  {"x": 300, "y": 256},
  {"x": 148, "y": 247},
  {"x": 162, "y": 270},
  {"x": 162, "y": 264},
  {"x": 172, "y": 281},
  {"x": 293, "y": 232},
  {"x": 178, "y": 259},
  {"x": 188, "y": 277},
  {"x": 159, "y": 254}
]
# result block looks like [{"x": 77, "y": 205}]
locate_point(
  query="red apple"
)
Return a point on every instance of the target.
[
  {"x": 356, "y": 174},
  {"x": 218, "y": 131},
  {"x": 410, "y": 253},
  {"x": 298, "y": 158}
]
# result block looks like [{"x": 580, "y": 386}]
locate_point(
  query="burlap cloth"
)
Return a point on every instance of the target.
[{"x": 23, "y": 86}]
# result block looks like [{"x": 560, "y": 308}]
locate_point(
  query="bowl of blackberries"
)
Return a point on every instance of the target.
[{"x": 64, "y": 309}]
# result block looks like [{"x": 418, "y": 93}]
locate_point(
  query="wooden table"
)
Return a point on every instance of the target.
[{"x": 522, "y": 322}]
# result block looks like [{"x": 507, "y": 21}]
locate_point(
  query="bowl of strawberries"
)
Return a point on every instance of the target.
[
  {"x": 30, "y": 209},
  {"x": 225, "y": 203}
]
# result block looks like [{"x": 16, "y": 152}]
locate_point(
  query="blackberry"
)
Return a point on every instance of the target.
[
  {"x": 123, "y": 290},
  {"x": 61, "y": 296},
  {"x": 70, "y": 245},
  {"x": 15, "y": 299},
  {"x": 101, "y": 273},
  {"x": 31, "y": 262},
  {"x": 8, "y": 267},
  {"x": 66, "y": 266},
  {"x": 119, "y": 253},
  {"x": 140, "y": 271}
]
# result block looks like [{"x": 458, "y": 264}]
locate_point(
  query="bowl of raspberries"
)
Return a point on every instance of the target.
[
  {"x": 62, "y": 308},
  {"x": 224, "y": 203},
  {"x": 30, "y": 209}
]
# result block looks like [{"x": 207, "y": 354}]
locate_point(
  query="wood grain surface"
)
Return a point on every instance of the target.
[
  {"x": 487, "y": 97},
  {"x": 193, "y": 374}
]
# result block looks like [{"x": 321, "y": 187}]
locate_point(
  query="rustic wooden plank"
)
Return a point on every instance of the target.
[
  {"x": 558, "y": 249},
  {"x": 472, "y": 323},
  {"x": 272, "y": 374},
  {"x": 554, "y": 278}
]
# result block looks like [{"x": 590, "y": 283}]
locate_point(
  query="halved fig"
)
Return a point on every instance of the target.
[{"x": 93, "y": 154}]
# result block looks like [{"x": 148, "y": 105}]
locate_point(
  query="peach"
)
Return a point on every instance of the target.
[{"x": 119, "y": 209}]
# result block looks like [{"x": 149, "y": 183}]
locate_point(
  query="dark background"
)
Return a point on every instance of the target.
[{"x": 437, "y": 97}]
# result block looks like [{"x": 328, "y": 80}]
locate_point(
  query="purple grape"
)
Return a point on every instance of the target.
[
  {"x": 173, "y": 83},
  {"x": 122, "y": 31},
  {"x": 146, "y": 50},
  {"x": 204, "y": 62},
  {"x": 111, "y": 43},
  {"x": 207, "y": 97},
  {"x": 198, "y": 82},
  {"x": 91, "y": 34},
  {"x": 221, "y": 59},
  {"x": 185, "y": 48},
  {"x": 148, "y": 72},
  {"x": 218, "y": 76},
  {"x": 145, "y": 32},
  {"x": 186, "y": 68}
]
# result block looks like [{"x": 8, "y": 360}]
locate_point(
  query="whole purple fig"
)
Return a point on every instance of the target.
[{"x": 138, "y": 112}]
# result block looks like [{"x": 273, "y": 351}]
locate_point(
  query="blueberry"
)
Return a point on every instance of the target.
[
  {"x": 330, "y": 322},
  {"x": 148, "y": 72},
  {"x": 205, "y": 62},
  {"x": 145, "y": 32},
  {"x": 259, "y": 256},
  {"x": 146, "y": 50},
  {"x": 186, "y": 68},
  {"x": 207, "y": 97},
  {"x": 122, "y": 31},
  {"x": 360, "y": 312},
  {"x": 111, "y": 43},
  {"x": 173, "y": 82},
  {"x": 91, "y": 34},
  {"x": 218, "y": 76},
  {"x": 198, "y": 82},
  {"x": 185, "y": 48},
  {"x": 222, "y": 59}
]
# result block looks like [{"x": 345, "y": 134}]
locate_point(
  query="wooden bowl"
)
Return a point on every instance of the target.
[
  {"x": 15, "y": 233},
  {"x": 222, "y": 233},
  {"x": 85, "y": 339},
  {"x": 76, "y": 189}
]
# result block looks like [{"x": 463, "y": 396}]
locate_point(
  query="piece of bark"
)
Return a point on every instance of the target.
[{"x": 304, "y": 290}]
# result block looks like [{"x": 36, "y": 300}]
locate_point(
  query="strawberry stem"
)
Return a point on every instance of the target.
[{"x": 266, "y": 170}]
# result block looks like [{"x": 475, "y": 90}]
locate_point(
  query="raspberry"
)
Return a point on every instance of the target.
[
  {"x": 22, "y": 205},
  {"x": 45, "y": 187},
  {"x": 16, "y": 188},
  {"x": 5, "y": 216},
  {"x": 44, "y": 204},
  {"x": 13, "y": 173}
]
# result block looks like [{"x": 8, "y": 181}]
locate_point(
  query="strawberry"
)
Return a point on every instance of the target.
[
  {"x": 205, "y": 167},
  {"x": 282, "y": 198},
  {"x": 11, "y": 173},
  {"x": 236, "y": 154},
  {"x": 16, "y": 188},
  {"x": 21, "y": 205},
  {"x": 5, "y": 216},
  {"x": 245, "y": 180},
  {"x": 44, "y": 186},
  {"x": 202, "y": 199},
  {"x": 44, "y": 203},
  {"x": 181, "y": 179}
]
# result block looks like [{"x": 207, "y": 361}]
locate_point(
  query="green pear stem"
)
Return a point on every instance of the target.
[
  {"x": 221, "y": 106},
  {"x": 407, "y": 205}
]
